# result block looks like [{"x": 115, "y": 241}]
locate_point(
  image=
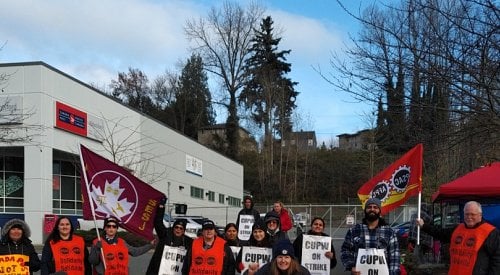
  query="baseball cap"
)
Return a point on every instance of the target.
[{"x": 208, "y": 224}]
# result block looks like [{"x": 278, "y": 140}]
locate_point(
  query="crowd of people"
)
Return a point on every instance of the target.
[{"x": 251, "y": 245}]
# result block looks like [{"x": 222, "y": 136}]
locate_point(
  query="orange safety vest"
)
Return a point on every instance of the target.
[
  {"x": 69, "y": 255},
  {"x": 116, "y": 257},
  {"x": 210, "y": 261},
  {"x": 464, "y": 246}
]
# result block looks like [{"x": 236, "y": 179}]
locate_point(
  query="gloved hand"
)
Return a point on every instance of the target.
[
  {"x": 163, "y": 200},
  {"x": 98, "y": 244}
]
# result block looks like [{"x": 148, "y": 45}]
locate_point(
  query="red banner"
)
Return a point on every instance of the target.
[
  {"x": 396, "y": 183},
  {"x": 115, "y": 192}
]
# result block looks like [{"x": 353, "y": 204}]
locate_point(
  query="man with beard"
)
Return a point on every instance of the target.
[{"x": 374, "y": 241}]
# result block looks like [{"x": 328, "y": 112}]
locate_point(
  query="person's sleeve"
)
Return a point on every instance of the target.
[
  {"x": 297, "y": 247},
  {"x": 256, "y": 215},
  {"x": 444, "y": 235},
  {"x": 333, "y": 260},
  {"x": 137, "y": 251},
  {"x": 86, "y": 263},
  {"x": 393, "y": 254},
  {"x": 238, "y": 219},
  {"x": 94, "y": 257},
  {"x": 161, "y": 230},
  {"x": 46, "y": 263},
  {"x": 35, "y": 262},
  {"x": 229, "y": 262},
  {"x": 347, "y": 252},
  {"x": 239, "y": 262},
  {"x": 187, "y": 261},
  {"x": 493, "y": 249},
  {"x": 286, "y": 222}
]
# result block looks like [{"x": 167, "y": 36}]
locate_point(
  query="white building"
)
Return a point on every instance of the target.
[{"x": 50, "y": 113}]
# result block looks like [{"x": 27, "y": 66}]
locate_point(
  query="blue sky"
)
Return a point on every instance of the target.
[{"x": 93, "y": 40}]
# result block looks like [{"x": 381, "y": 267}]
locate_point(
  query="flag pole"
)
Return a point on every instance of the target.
[
  {"x": 91, "y": 203},
  {"x": 418, "y": 215}
]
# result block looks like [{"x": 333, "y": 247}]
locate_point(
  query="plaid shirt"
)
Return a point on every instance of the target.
[{"x": 383, "y": 237}]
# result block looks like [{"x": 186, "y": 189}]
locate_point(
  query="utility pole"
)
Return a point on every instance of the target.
[{"x": 168, "y": 201}]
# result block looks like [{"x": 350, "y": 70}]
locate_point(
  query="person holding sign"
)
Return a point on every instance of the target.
[
  {"x": 258, "y": 251},
  {"x": 307, "y": 245},
  {"x": 65, "y": 252},
  {"x": 209, "y": 254},
  {"x": 284, "y": 262},
  {"x": 371, "y": 247},
  {"x": 16, "y": 250},
  {"x": 474, "y": 244},
  {"x": 115, "y": 249},
  {"x": 172, "y": 245},
  {"x": 246, "y": 218}
]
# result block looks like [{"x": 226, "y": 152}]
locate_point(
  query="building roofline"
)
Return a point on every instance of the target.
[{"x": 41, "y": 63}]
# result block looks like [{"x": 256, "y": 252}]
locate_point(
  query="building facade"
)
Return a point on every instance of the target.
[
  {"x": 357, "y": 141},
  {"x": 46, "y": 114}
]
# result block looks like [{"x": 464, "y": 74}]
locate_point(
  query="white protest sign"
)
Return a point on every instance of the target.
[
  {"x": 245, "y": 227},
  {"x": 172, "y": 260},
  {"x": 313, "y": 254},
  {"x": 371, "y": 261},
  {"x": 253, "y": 254}
]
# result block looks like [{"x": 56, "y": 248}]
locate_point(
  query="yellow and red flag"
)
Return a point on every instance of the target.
[{"x": 396, "y": 183}]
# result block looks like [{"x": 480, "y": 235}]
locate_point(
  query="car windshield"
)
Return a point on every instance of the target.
[{"x": 199, "y": 220}]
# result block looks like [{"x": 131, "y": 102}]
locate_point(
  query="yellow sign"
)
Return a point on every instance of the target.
[{"x": 14, "y": 264}]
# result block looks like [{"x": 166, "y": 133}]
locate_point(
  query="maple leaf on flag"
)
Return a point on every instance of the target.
[
  {"x": 108, "y": 201},
  {"x": 110, "y": 190}
]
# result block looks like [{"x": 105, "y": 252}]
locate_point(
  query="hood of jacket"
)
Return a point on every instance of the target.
[{"x": 8, "y": 225}]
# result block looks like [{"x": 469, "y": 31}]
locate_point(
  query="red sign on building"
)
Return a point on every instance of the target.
[{"x": 71, "y": 119}]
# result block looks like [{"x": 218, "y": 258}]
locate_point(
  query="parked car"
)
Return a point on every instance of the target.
[
  {"x": 87, "y": 225},
  {"x": 402, "y": 233}
]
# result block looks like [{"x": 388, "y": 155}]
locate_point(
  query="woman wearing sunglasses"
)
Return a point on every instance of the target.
[{"x": 115, "y": 249}]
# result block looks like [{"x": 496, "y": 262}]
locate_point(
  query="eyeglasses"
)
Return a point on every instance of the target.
[
  {"x": 273, "y": 221},
  {"x": 471, "y": 214},
  {"x": 178, "y": 227},
  {"x": 111, "y": 226}
]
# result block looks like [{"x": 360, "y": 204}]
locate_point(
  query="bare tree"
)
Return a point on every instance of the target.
[
  {"x": 222, "y": 39},
  {"x": 435, "y": 65},
  {"x": 123, "y": 146},
  {"x": 14, "y": 117}
]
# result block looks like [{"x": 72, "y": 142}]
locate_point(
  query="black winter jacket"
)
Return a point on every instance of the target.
[
  {"x": 23, "y": 246},
  {"x": 166, "y": 237}
]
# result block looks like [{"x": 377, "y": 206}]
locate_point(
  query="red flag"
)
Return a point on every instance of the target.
[
  {"x": 115, "y": 192},
  {"x": 396, "y": 183}
]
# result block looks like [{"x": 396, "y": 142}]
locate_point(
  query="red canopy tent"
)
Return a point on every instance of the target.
[{"x": 480, "y": 184}]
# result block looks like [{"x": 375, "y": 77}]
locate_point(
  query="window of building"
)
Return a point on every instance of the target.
[
  {"x": 210, "y": 195},
  {"x": 196, "y": 192},
  {"x": 222, "y": 199},
  {"x": 234, "y": 201},
  {"x": 66, "y": 187},
  {"x": 310, "y": 142},
  {"x": 12, "y": 182}
]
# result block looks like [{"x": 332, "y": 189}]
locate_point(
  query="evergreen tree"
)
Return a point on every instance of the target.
[
  {"x": 268, "y": 93},
  {"x": 192, "y": 106}
]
